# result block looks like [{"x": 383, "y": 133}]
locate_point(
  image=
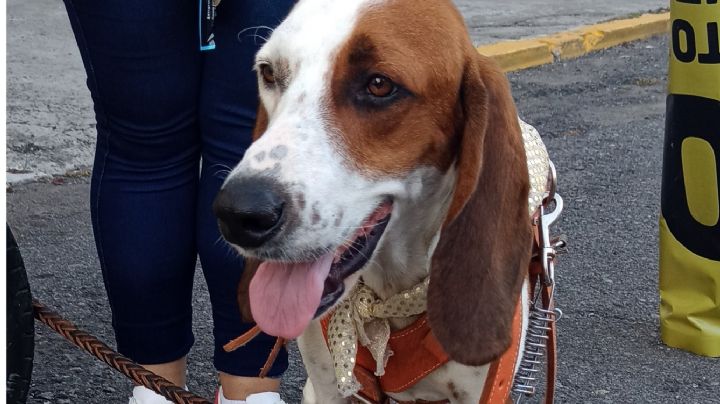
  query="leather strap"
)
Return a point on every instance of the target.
[
  {"x": 536, "y": 274},
  {"x": 551, "y": 347},
  {"x": 416, "y": 353},
  {"x": 551, "y": 351},
  {"x": 240, "y": 341},
  {"x": 248, "y": 336},
  {"x": 499, "y": 380},
  {"x": 371, "y": 390}
]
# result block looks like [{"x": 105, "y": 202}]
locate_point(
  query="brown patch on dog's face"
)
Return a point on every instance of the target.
[{"x": 420, "y": 53}]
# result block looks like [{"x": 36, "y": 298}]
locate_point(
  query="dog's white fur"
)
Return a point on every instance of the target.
[{"x": 300, "y": 151}]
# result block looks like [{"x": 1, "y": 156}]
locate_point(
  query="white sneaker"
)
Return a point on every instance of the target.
[
  {"x": 269, "y": 397},
  {"x": 143, "y": 395}
]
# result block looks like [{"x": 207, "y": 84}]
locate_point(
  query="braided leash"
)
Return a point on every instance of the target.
[{"x": 115, "y": 360}]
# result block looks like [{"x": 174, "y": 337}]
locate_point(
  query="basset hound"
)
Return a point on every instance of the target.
[{"x": 387, "y": 189}]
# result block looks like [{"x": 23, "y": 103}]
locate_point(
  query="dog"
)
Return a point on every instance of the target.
[{"x": 388, "y": 162}]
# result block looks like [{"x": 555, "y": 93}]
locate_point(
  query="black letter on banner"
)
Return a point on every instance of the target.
[
  {"x": 713, "y": 55},
  {"x": 689, "y": 55},
  {"x": 689, "y": 115}
]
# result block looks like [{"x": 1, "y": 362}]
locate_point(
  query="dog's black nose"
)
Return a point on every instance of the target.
[{"x": 249, "y": 211}]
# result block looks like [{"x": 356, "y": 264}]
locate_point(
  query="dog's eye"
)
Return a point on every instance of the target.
[
  {"x": 267, "y": 73},
  {"x": 381, "y": 86}
]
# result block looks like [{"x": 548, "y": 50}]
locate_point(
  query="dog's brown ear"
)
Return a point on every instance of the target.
[
  {"x": 484, "y": 248},
  {"x": 261, "y": 122},
  {"x": 243, "y": 292},
  {"x": 251, "y": 264}
]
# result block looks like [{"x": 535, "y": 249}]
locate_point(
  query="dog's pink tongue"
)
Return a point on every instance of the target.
[{"x": 285, "y": 296}]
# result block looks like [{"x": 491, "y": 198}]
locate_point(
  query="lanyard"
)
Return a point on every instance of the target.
[{"x": 206, "y": 22}]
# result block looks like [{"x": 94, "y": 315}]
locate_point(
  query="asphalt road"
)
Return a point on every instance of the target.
[
  {"x": 491, "y": 20},
  {"x": 602, "y": 117}
]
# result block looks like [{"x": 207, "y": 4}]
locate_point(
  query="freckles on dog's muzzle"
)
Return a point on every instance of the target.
[{"x": 250, "y": 211}]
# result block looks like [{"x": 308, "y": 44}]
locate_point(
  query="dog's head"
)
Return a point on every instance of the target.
[{"x": 381, "y": 128}]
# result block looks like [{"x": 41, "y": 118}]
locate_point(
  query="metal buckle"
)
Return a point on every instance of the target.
[{"x": 548, "y": 249}]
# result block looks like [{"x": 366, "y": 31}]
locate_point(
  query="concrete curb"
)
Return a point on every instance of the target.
[{"x": 526, "y": 53}]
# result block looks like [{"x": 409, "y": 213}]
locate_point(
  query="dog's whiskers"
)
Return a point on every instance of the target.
[
  {"x": 222, "y": 170},
  {"x": 255, "y": 35},
  {"x": 221, "y": 174},
  {"x": 229, "y": 250},
  {"x": 218, "y": 240}
]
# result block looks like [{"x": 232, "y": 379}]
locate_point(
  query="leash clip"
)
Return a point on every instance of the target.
[{"x": 548, "y": 215}]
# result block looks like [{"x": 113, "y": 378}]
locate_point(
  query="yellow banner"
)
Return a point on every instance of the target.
[
  {"x": 690, "y": 297},
  {"x": 690, "y": 222},
  {"x": 695, "y": 50}
]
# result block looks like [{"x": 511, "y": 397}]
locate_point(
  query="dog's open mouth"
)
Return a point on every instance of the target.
[
  {"x": 353, "y": 256},
  {"x": 285, "y": 296}
]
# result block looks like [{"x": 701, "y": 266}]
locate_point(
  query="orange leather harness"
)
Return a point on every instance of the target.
[{"x": 416, "y": 353}]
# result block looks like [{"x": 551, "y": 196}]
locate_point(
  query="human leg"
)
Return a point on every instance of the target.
[
  {"x": 143, "y": 72},
  {"x": 227, "y": 114}
]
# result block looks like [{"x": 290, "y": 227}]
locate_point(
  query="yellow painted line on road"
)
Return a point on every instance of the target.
[{"x": 526, "y": 53}]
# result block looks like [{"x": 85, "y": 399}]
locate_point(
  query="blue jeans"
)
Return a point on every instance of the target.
[{"x": 171, "y": 122}]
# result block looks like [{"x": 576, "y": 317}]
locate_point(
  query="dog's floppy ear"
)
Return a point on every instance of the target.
[
  {"x": 243, "y": 292},
  {"x": 251, "y": 264},
  {"x": 261, "y": 122},
  {"x": 484, "y": 247}
]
